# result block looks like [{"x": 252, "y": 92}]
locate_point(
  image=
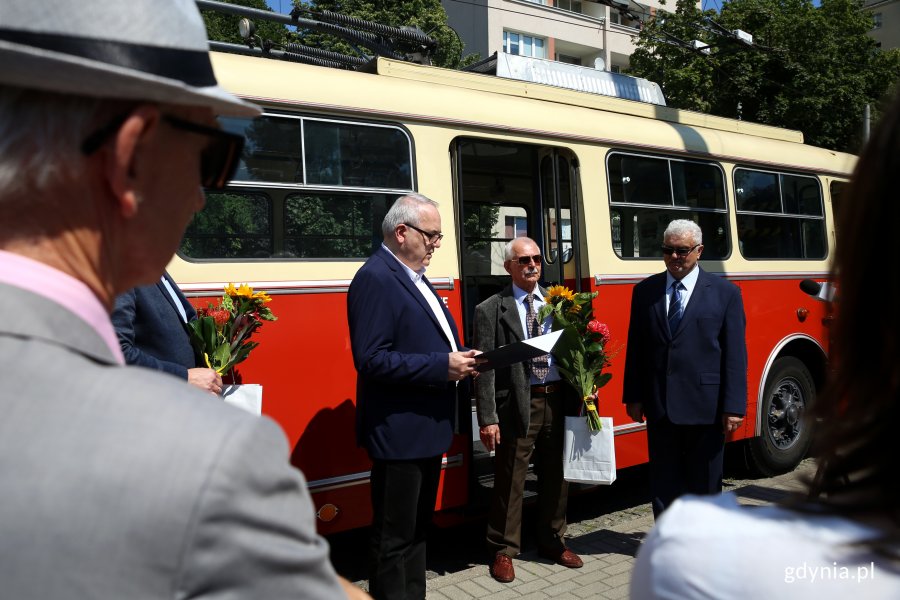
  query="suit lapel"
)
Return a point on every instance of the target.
[
  {"x": 698, "y": 296},
  {"x": 659, "y": 307},
  {"x": 509, "y": 314},
  {"x": 403, "y": 278}
]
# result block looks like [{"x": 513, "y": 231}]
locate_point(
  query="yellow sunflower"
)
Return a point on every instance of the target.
[
  {"x": 264, "y": 297},
  {"x": 244, "y": 291},
  {"x": 558, "y": 293}
]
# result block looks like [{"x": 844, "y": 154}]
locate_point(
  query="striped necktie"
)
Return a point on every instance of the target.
[
  {"x": 540, "y": 365},
  {"x": 676, "y": 308}
]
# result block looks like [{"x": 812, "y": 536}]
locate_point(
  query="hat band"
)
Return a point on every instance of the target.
[{"x": 189, "y": 66}]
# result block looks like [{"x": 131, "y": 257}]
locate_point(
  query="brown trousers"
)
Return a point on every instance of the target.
[{"x": 545, "y": 438}]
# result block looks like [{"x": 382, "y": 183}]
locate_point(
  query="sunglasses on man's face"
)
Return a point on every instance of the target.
[
  {"x": 218, "y": 161},
  {"x": 667, "y": 250},
  {"x": 527, "y": 260}
]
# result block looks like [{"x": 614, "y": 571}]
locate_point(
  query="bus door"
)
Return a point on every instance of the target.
[{"x": 506, "y": 190}]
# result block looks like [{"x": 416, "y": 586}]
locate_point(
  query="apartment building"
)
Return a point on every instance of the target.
[
  {"x": 885, "y": 22},
  {"x": 580, "y": 32}
]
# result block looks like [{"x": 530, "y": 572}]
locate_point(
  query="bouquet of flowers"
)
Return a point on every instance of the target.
[
  {"x": 580, "y": 354},
  {"x": 221, "y": 333}
]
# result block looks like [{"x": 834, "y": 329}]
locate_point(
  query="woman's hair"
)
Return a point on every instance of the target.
[{"x": 858, "y": 414}]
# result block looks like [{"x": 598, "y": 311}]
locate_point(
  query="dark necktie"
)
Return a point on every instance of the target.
[
  {"x": 676, "y": 308},
  {"x": 540, "y": 365}
]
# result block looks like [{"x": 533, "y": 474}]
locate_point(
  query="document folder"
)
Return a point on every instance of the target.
[{"x": 518, "y": 351}]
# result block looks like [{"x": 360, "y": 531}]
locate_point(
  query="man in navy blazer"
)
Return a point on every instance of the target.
[
  {"x": 150, "y": 324},
  {"x": 409, "y": 363},
  {"x": 685, "y": 368}
]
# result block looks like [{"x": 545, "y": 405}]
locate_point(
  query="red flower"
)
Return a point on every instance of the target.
[{"x": 601, "y": 329}]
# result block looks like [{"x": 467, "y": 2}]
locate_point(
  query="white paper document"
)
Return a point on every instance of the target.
[{"x": 518, "y": 351}]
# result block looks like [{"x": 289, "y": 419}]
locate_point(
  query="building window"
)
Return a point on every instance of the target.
[
  {"x": 616, "y": 69},
  {"x": 569, "y": 60},
  {"x": 524, "y": 45},
  {"x": 570, "y": 5},
  {"x": 876, "y": 21}
]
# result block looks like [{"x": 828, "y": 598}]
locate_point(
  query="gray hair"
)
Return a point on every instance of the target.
[
  {"x": 406, "y": 209},
  {"x": 41, "y": 135},
  {"x": 508, "y": 253},
  {"x": 683, "y": 227}
]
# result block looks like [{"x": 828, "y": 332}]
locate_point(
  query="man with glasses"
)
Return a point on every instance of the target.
[
  {"x": 409, "y": 363},
  {"x": 685, "y": 368},
  {"x": 122, "y": 482},
  {"x": 520, "y": 410}
]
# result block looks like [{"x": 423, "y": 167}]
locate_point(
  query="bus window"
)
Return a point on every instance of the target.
[
  {"x": 779, "y": 216},
  {"x": 231, "y": 225},
  {"x": 333, "y": 225},
  {"x": 838, "y": 190},
  {"x": 647, "y": 192},
  {"x": 306, "y": 188}
]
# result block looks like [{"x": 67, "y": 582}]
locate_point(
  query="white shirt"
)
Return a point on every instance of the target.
[
  {"x": 418, "y": 279},
  {"x": 175, "y": 298},
  {"x": 519, "y": 296},
  {"x": 711, "y": 547},
  {"x": 689, "y": 282}
]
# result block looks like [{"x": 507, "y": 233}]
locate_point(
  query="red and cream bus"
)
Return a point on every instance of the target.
[{"x": 594, "y": 179}]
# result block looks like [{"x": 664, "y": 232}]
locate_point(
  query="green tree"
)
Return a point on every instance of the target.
[
  {"x": 810, "y": 68},
  {"x": 224, "y": 28},
  {"x": 427, "y": 15}
]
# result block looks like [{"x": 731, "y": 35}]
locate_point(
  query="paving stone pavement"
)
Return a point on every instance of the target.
[{"x": 607, "y": 542}]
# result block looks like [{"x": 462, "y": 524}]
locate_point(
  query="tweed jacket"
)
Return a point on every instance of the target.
[{"x": 121, "y": 482}]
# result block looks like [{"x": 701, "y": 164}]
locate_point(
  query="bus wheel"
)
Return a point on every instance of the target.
[{"x": 785, "y": 435}]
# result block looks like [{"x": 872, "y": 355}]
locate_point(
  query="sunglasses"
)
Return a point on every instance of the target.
[
  {"x": 667, "y": 250},
  {"x": 527, "y": 260},
  {"x": 218, "y": 161}
]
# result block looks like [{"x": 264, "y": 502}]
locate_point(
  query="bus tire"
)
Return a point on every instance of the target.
[{"x": 785, "y": 434}]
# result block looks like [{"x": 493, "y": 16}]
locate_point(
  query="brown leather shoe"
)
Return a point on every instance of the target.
[
  {"x": 502, "y": 570},
  {"x": 566, "y": 558}
]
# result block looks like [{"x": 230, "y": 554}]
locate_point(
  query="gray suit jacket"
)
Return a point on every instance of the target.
[
  {"x": 121, "y": 482},
  {"x": 502, "y": 395}
]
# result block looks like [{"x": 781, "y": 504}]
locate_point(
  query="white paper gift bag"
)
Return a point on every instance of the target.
[
  {"x": 247, "y": 397},
  {"x": 589, "y": 456}
]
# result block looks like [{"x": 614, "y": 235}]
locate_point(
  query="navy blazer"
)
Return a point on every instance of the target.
[
  {"x": 698, "y": 372},
  {"x": 405, "y": 407},
  {"x": 151, "y": 331}
]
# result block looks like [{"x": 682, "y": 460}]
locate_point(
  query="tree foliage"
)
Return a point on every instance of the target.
[
  {"x": 427, "y": 15},
  {"x": 224, "y": 28},
  {"x": 810, "y": 68}
]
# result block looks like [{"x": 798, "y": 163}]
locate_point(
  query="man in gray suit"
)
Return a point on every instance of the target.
[
  {"x": 520, "y": 409},
  {"x": 120, "y": 482}
]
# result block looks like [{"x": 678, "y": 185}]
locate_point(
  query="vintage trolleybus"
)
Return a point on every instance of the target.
[{"x": 594, "y": 179}]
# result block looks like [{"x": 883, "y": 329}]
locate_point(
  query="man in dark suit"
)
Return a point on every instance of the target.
[
  {"x": 150, "y": 324},
  {"x": 409, "y": 363},
  {"x": 685, "y": 368},
  {"x": 520, "y": 409}
]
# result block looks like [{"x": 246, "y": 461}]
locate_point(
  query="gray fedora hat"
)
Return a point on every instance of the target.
[{"x": 153, "y": 50}]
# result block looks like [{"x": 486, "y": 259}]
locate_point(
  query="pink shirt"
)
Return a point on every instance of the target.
[{"x": 63, "y": 289}]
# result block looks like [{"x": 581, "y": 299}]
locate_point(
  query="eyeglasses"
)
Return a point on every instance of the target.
[
  {"x": 527, "y": 260},
  {"x": 430, "y": 237},
  {"x": 667, "y": 250},
  {"x": 218, "y": 161}
]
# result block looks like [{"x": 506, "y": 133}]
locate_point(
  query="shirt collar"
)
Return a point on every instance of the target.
[
  {"x": 519, "y": 294},
  {"x": 689, "y": 280},
  {"x": 414, "y": 276}
]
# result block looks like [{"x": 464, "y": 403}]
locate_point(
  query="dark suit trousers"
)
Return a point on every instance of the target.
[
  {"x": 403, "y": 497},
  {"x": 684, "y": 459},
  {"x": 511, "y": 458}
]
